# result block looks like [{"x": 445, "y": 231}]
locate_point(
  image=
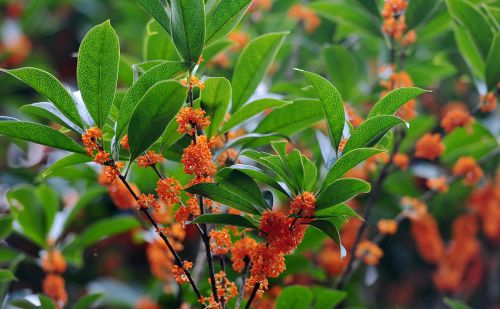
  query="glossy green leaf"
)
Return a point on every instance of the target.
[
  {"x": 340, "y": 210},
  {"x": 214, "y": 101},
  {"x": 158, "y": 12},
  {"x": 347, "y": 162},
  {"x": 252, "y": 66},
  {"x": 46, "y": 302},
  {"x": 49, "y": 87},
  {"x": 333, "y": 106},
  {"x": 154, "y": 111},
  {"x": 69, "y": 160},
  {"x": 296, "y": 168},
  {"x": 158, "y": 44},
  {"x": 341, "y": 67},
  {"x": 394, "y": 100},
  {"x": 492, "y": 66},
  {"x": 84, "y": 200},
  {"x": 330, "y": 229},
  {"x": 258, "y": 174},
  {"x": 87, "y": 301},
  {"x": 469, "y": 51},
  {"x": 6, "y": 276},
  {"x": 292, "y": 118},
  {"x": 223, "y": 17},
  {"x": 39, "y": 134},
  {"x": 238, "y": 183},
  {"x": 326, "y": 298},
  {"x": 49, "y": 202},
  {"x": 49, "y": 111},
  {"x": 97, "y": 70},
  {"x": 188, "y": 28},
  {"x": 340, "y": 191},
  {"x": 226, "y": 219},
  {"x": 250, "y": 110},
  {"x": 455, "y": 303},
  {"x": 371, "y": 131},
  {"x": 161, "y": 72},
  {"x": 294, "y": 297},
  {"x": 5, "y": 226},
  {"x": 253, "y": 140},
  {"x": 310, "y": 174},
  {"x": 220, "y": 195}
]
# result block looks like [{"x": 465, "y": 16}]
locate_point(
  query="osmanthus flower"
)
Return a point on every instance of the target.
[
  {"x": 146, "y": 201},
  {"x": 394, "y": 19},
  {"x": 275, "y": 226},
  {"x": 369, "y": 252},
  {"x": 160, "y": 260},
  {"x": 220, "y": 242},
  {"x": 146, "y": 303},
  {"x": 402, "y": 161},
  {"x": 124, "y": 142},
  {"x": 397, "y": 80},
  {"x": 387, "y": 226},
  {"x": 409, "y": 38},
  {"x": 54, "y": 287},
  {"x": 190, "y": 119},
  {"x": 179, "y": 272},
  {"x": 90, "y": 140},
  {"x": 112, "y": 172},
  {"x": 208, "y": 302},
  {"x": 169, "y": 190},
  {"x": 260, "y": 5},
  {"x": 488, "y": 102},
  {"x": 485, "y": 203},
  {"x": 342, "y": 144},
  {"x": 193, "y": 82},
  {"x": 240, "y": 252},
  {"x": 430, "y": 245},
  {"x": 149, "y": 159},
  {"x": 239, "y": 39},
  {"x": 53, "y": 262},
  {"x": 354, "y": 118},
  {"x": 228, "y": 157},
  {"x": 197, "y": 158},
  {"x": 439, "y": 184},
  {"x": 457, "y": 118},
  {"x": 468, "y": 168},
  {"x": 187, "y": 212},
  {"x": 225, "y": 287},
  {"x": 102, "y": 157},
  {"x": 300, "y": 13},
  {"x": 429, "y": 147},
  {"x": 221, "y": 60},
  {"x": 413, "y": 208}
]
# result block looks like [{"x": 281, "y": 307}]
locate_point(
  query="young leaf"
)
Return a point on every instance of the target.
[
  {"x": 39, "y": 134},
  {"x": 220, "y": 195},
  {"x": 161, "y": 72},
  {"x": 310, "y": 173},
  {"x": 341, "y": 191},
  {"x": 347, "y": 162},
  {"x": 392, "y": 101},
  {"x": 493, "y": 63},
  {"x": 215, "y": 100},
  {"x": 158, "y": 12},
  {"x": 97, "y": 70},
  {"x": 221, "y": 19},
  {"x": 294, "y": 297},
  {"x": 371, "y": 131},
  {"x": 238, "y": 183},
  {"x": 226, "y": 219},
  {"x": 152, "y": 115},
  {"x": 250, "y": 110},
  {"x": 341, "y": 67},
  {"x": 252, "y": 66},
  {"x": 48, "y": 86},
  {"x": 188, "y": 28},
  {"x": 332, "y": 104},
  {"x": 49, "y": 111}
]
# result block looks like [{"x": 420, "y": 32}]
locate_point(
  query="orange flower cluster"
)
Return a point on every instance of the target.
[
  {"x": 394, "y": 19},
  {"x": 239, "y": 39},
  {"x": 387, "y": 226},
  {"x": 160, "y": 259},
  {"x": 354, "y": 118},
  {"x": 146, "y": 303},
  {"x": 124, "y": 142},
  {"x": 240, "y": 252},
  {"x": 169, "y": 190},
  {"x": 468, "y": 168},
  {"x": 180, "y": 272},
  {"x": 413, "y": 208},
  {"x": 53, "y": 262},
  {"x": 221, "y": 60},
  {"x": 267, "y": 262},
  {"x": 369, "y": 252},
  {"x": 485, "y": 202},
  {"x": 193, "y": 82},
  {"x": 303, "y": 205},
  {"x": 275, "y": 226},
  {"x": 228, "y": 157},
  {"x": 53, "y": 287},
  {"x": 430, "y": 245},
  {"x": 146, "y": 201},
  {"x": 460, "y": 254},
  {"x": 488, "y": 102},
  {"x": 308, "y": 17},
  {"x": 89, "y": 139},
  {"x": 439, "y": 184},
  {"x": 225, "y": 288},
  {"x": 190, "y": 119},
  {"x": 402, "y": 161},
  {"x": 342, "y": 144},
  {"x": 220, "y": 241},
  {"x": 372, "y": 162},
  {"x": 148, "y": 159},
  {"x": 197, "y": 158},
  {"x": 429, "y": 147},
  {"x": 456, "y": 117},
  {"x": 260, "y": 5},
  {"x": 187, "y": 213},
  {"x": 208, "y": 302}
]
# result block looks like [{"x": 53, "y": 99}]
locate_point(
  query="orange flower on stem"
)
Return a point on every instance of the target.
[
  {"x": 240, "y": 252},
  {"x": 197, "y": 158},
  {"x": 488, "y": 102},
  {"x": 429, "y": 147},
  {"x": 187, "y": 213},
  {"x": 303, "y": 205},
  {"x": 169, "y": 190},
  {"x": 193, "y": 82},
  {"x": 220, "y": 242},
  {"x": 456, "y": 118},
  {"x": 121, "y": 196},
  {"x": 90, "y": 138},
  {"x": 124, "y": 142},
  {"x": 275, "y": 226},
  {"x": 430, "y": 245},
  {"x": 179, "y": 272},
  {"x": 308, "y": 17},
  {"x": 54, "y": 287},
  {"x": 468, "y": 168},
  {"x": 402, "y": 161},
  {"x": 369, "y": 252},
  {"x": 53, "y": 262},
  {"x": 148, "y": 159},
  {"x": 111, "y": 172},
  {"x": 146, "y": 201},
  {"x": 387, "y": 226},
  {"x": 439, "y": 184},
  {"x": 190, "y": 119},
  {"x": 413, "y": 208}
]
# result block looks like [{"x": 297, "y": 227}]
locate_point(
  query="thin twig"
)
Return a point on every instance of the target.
[
  {"x": 243, "y": 282},
  {"x": 252, "y": 296}
]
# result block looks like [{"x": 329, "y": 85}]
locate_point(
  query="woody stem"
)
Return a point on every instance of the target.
[
  {"x": 252, "y": 296},
  {"x": 243, "y": 283}
]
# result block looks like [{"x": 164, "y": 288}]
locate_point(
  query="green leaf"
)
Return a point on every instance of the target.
[
  {"x": 455, "y": 303},
  {"x": 332, "y": 104},
  {"x": 215, "y": 100},
  {"x": 97, "y": 70},
  {"x": 331, "y": 230},
  {"x": 292, "y": 118},
  {"x": 469, "y": 51},
  {"x": 158, "y": 12},
  {"x": 188, "y": 28},
  {"x": 39, "y": 134},
  {"x": 6, "y": 276},
  {"x": 341, "y": 191},
  {"x": 226, "y": 219},
  {"x": 325, "y": 298},
  {"x": 392, "y": 101},
  {"x": 294, "y": 163},
  {"x": 371, "y": 131},
  {"x": 5, "y": 226},
  {"x": 84, "y": 200},
  {"x": 220, "y": 195},
  {"x": 49, "y": 111},
  {"x": 238, "y": 183},
  {"x": 161, "y": 72},
  {"x": 258, "y": 174},
  {"x": 49, "y": 201},
  {"x": 253, "y": 140},
  {"x": 250, "y": 110},
  {"x": 46, "y": 302},
  {"x": 221, "y": 19},
  {"x": 252, "y": 66},
  {"x": 7, "y": 254},
  {"x": 347, "y": 162},
  {"x": 294, "y": 297},
  {"x": 310, "y": 173},
  {"x": 49, "y": 87},
  {"x": 493, "y": 64},
  {"x": 69, "y": 160},
  {"x": 87, "y": 301},
  {"x": 158, "y": 44},
  {"x": 341, "y": 67},
  {"x": 152, "y": 115},
  {"x": 341, "y": 210}
]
